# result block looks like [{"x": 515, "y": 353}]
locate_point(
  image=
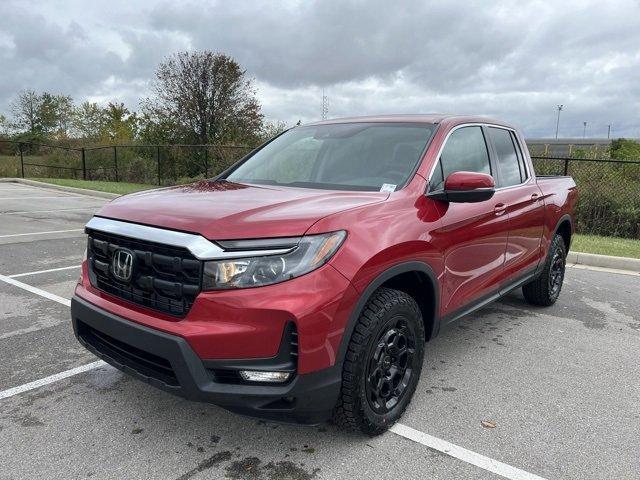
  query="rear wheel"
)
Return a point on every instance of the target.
[
  {"x": 545, "y": 289},
  {"x": 383, "y": 363}
]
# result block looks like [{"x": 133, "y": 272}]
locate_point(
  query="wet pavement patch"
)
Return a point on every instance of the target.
[{"x": 207, "y": 464}]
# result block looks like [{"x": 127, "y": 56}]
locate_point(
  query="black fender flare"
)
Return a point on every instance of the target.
[
  {"x": 561, "y": 220},
  {"x": 412, "y": 266},
  {"x": 564, "y": 218}
]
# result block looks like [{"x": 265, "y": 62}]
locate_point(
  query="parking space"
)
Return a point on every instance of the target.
[
  {"x": 560, "y": 384},
  {"x": 31, "y": 212}
]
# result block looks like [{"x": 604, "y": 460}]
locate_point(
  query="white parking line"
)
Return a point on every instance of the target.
[
  {"x": 24, "y": 212},
  {"x": 448, "y": 448},
  {"x": 36, "y": 290},
  {"x": 42, "y": 233},
  {"x": 50, "y": 379},
  {"x": 39, "y": 197},
  {"x": 17, "y": 275},
  {"x": 473, "y": 458},
  {"x": 443, "y": 446}
]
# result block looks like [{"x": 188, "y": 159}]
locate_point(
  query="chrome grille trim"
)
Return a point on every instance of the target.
[{"x": 200, "y": 247}]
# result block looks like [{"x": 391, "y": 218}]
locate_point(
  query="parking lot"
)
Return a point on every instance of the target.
[{"x": 561, "y": 385}]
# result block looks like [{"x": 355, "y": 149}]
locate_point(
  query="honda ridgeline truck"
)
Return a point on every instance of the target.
[{"x": 305, "y": 281}]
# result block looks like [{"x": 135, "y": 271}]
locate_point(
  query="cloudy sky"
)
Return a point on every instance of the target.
[{"x": 513, "y": 60}]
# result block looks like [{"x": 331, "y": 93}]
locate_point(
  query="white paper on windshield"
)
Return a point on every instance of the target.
[{"x": 388, "y": 187}]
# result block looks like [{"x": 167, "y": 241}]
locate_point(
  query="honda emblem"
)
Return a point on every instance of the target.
[{"x": 122, "y": 265}]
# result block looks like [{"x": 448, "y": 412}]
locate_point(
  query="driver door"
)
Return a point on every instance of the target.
[{"x": 473, "y": 236}]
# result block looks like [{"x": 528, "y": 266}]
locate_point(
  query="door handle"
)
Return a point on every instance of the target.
[
  {"x": 499, "y": 209},
  {"x": 534, "y": 196}
]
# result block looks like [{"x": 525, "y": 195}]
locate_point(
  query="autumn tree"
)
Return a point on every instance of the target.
[{"x": 207, "y": 97}]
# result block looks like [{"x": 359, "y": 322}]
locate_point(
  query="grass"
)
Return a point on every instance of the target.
[
  {"x": 618, "y": 247},
  {"x": 120, "y": 188}
]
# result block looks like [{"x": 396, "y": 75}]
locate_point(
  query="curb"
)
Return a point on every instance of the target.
[
  {"x": 81, "y": 191},
  {"x": 604, "y": 261}
]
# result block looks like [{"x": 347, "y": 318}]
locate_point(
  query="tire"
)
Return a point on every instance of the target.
[
  {"x": 383, "y": 363},
  {"x": 545, "y": 289}
]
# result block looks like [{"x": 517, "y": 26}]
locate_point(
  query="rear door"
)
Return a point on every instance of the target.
[
  {"x": 518, "y": 191},
  {"x": 473, "y": 236}
]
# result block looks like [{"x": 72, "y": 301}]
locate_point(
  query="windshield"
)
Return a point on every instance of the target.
[{"x": 344, "y": 156}]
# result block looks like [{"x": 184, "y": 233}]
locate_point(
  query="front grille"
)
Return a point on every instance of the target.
[
  {"x": 143, "y": 362},
  {"x": 164, "y": 278}
]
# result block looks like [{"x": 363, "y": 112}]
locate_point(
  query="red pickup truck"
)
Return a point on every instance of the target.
[{"x": 304, "y": 281}]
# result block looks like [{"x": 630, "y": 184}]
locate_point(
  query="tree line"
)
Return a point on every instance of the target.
[{"x": 196, "y": 98}]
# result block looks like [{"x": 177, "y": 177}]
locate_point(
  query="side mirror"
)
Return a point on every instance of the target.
[{"x": 466, "y": 187}]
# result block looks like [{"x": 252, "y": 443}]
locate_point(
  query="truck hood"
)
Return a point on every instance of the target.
[{"x": 228, "y": 211}]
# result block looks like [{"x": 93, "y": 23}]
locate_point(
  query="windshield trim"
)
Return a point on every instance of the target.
[{"x": 352, "y": 188}]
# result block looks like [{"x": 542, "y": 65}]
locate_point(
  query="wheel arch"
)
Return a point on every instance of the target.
[
  {"x": 564, "y": 228},
  {"x": 414, "y": 278}
]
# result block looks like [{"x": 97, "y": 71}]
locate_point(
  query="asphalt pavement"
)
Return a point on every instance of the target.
[{"x": 560, "y": 384}]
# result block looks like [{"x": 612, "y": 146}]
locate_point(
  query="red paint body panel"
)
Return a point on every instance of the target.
[
  {"x": 472, "y": 249},
  {"x": 468, "y": 180},
  {"x": 230, "y": 211}
]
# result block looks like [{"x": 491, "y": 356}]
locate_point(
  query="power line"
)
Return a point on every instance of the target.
[{"x": 325, "y": 105}]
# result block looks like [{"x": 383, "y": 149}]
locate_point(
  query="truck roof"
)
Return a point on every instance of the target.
[{"x": 414, "y": 118}]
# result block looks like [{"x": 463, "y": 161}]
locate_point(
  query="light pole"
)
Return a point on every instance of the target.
[
  {"x": 584, "y": 131},
  {"x": 558, "y": 120}
]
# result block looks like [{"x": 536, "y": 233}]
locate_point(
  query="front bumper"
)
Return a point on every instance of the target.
[{"x": 168, "y": 362}]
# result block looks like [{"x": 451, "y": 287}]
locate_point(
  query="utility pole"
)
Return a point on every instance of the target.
[
  {"x": 584, "y": 131},
  {"x": 609, "y": 131},
  {"x": 325, "y": 105},
  {"x": 558, "y": 120}
]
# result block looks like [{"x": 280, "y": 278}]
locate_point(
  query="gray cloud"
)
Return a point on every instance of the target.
[{"x": 514, "y": 60}]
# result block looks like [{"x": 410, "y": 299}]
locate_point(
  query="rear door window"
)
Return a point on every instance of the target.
[
  {"x": 510, "y": 166},
  {"x": 465, "y": 150},
  {"x": 523, "y": 166}
]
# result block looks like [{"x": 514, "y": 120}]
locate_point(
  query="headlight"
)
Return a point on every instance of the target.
[{"x": 310, "y": 253}]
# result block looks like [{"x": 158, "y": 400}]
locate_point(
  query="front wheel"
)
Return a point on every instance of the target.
[
  {"x": 545, "y": 289},
  {"x": 382, "y": 364}
]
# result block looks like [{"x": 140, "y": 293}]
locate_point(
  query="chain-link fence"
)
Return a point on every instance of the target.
[
  {"x": 609, "y": 190},
  {"x": 20, "y": 159},
  {"x": 160, "y": 164},
  {"x": 149, "y": 164},
  {"x": 608, "y": 193}
]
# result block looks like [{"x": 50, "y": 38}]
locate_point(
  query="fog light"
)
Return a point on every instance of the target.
[{"x": 254, "y": 376}]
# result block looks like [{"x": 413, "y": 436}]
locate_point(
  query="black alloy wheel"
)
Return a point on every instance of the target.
[
  {"x": 391, "y": 365},
  {"x": 545, "y": 289},
  {"x": 382, "y": 364}
]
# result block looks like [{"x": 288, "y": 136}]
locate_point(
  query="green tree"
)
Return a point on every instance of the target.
[
  {"x": 88, "y": 121},
  {"x": 64, "y": 115},
  {"x": 42, "y": 115},
  {"x": 271, "y": 129},
  {"x": 4, "y": 125},
  {"x": 25, "y": 109},
  {"x": 158, "y": 129},
  {"x": 206, "y": 97},
  {"x": 120, "y": 125}
]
